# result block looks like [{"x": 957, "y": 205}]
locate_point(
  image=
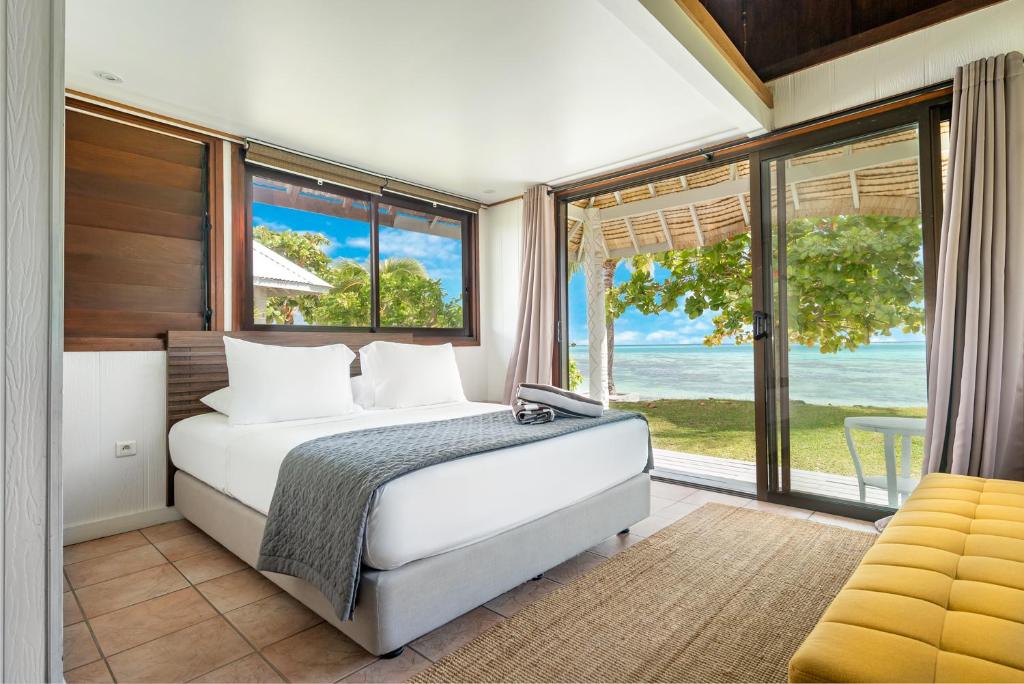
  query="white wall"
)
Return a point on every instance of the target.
[
  {"x": 119, "y": 396},
  {"x": 110, "y": 397},
  {"x": 501, "y": 228},
  {"x": 913, "y": 61}
]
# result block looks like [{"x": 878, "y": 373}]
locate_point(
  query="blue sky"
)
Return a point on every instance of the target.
[
  {"x": 441, "y": 256},
  {"x": 634, "y": 327}
]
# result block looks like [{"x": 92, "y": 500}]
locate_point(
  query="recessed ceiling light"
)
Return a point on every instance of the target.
[
  {"x": 108, "y": 77},
  {"x": 489, "y": 191}
]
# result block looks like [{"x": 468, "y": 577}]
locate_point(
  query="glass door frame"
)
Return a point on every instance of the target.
[{"x": 772, "y": 462}]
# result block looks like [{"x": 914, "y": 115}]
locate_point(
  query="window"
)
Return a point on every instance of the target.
[{"x": 325, "y": 257}]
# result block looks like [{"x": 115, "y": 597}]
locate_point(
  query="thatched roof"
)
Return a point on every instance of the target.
[{"x": 875, "y": 176}]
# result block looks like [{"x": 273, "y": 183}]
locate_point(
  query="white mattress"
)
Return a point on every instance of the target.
[{"x": 429, "y": 511}]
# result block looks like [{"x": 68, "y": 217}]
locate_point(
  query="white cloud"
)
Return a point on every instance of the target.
[
  {"x": 626, "y": 336},
  {"x": 698, "y": 325},
  {"x": 662, "y": 336},
  {"x": 358, "y": 242},
  {"x": 673, "y": 337},
  {"x": 405, "y": 243}
]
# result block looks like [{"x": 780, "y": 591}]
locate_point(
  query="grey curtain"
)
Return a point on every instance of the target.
[
  {"x": 976, "y": 356},
  {"x": 535, "y": 328}
]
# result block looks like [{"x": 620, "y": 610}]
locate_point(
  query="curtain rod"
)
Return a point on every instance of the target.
[{"x": 709, "y": 153}]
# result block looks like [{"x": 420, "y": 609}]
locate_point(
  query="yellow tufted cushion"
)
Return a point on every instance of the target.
[{"x": 938, "y": 598}]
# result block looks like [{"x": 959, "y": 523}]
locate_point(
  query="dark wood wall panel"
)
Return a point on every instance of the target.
[
  {"x": 120, "y": 136},
  {"x": 119, "y": 164},
  {"x": 99, "y": 213},
  {"x": 136, "y": 202},
  {"x": 98, "y": 323},
  {"x": 777, "y": 37}
]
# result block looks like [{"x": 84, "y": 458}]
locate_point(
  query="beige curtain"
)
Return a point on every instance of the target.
[
  {"x": 535, "y": 328},
  {"x": 976, "y": 357}
]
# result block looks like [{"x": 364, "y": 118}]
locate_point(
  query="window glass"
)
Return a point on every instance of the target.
[
  {"x": 310, "y": 255},
  {"x": 420, "y": 266}
]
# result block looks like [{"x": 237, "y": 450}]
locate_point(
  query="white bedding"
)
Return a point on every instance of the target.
[{"x": 429, "y": 511}]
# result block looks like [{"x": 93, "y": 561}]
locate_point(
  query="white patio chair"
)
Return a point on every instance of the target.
[{"x": 898, "y": 485}]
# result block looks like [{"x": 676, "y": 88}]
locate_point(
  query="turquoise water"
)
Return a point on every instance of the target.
[{"x": 880, "y": 374}]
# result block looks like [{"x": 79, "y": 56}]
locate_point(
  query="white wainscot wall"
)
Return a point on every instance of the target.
[
  {"x": 930, "y": 55},
  {"x": 111, "y": 397}
]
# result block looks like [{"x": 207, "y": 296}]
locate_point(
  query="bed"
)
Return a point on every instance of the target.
[{"x": 439, "y": 541}]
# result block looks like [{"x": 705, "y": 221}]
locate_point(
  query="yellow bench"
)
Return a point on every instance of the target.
[{"x": 938, "y": 598}]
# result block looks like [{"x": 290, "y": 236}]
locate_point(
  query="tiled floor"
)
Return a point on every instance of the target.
[{"x": 169, "y": 604}]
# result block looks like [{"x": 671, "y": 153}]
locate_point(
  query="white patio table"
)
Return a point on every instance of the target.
[{"x": 898, "y": 485}]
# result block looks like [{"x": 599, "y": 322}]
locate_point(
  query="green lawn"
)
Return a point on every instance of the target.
[{"x": 725, "y": 428}]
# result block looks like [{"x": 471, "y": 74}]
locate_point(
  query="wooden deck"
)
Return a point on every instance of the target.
[{"x": 727, "y": 473}]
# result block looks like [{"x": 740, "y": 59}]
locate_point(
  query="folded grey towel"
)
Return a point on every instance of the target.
[
  {"x": 532, "y": 414},
  {"x": 561, "y": 401}
]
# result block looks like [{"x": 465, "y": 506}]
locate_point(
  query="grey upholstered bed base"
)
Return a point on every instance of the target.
[{"x": 396, "y": 606}]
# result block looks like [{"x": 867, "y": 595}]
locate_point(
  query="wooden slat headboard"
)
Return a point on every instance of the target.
[{"x": 196, "y": 366}]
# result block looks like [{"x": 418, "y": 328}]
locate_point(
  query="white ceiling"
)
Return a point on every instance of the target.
[{"x": 467, "y": 96}]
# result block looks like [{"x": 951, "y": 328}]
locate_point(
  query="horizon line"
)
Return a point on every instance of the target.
[{"x": 745, "y": 344}]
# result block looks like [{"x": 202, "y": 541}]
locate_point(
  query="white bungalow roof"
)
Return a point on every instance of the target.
[{"x": 272, "y": 271}]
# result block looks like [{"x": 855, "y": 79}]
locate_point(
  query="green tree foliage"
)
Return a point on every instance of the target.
[
  {"x": 575, "y": 376},
  {"x": 409, "y": 297},
  {"x": 849, "y": 278}
]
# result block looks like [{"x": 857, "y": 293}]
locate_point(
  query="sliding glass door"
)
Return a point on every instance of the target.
[{"x": 847, "y": 224}]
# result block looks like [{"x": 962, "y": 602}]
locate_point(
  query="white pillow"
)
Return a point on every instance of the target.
[
  {"x": 404, "y": 375},
  {"x": 270, "y": 384},
  {"x": 219, "y": 401},
  {"x": 362, "y": 391}
]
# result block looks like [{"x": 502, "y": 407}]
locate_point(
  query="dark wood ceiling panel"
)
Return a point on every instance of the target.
[{"x": 777, "y": 37}]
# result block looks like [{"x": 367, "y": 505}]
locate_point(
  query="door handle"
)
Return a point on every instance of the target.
[{"x": 760, "y": 325}]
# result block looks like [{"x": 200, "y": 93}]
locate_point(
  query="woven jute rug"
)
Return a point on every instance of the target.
[{"x": 723, "y": 595}]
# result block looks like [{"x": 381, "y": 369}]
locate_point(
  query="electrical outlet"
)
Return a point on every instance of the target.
[{"x": 122, "y": 449}]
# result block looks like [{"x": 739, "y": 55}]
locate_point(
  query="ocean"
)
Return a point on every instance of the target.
[{"x": 879, "y": 374}]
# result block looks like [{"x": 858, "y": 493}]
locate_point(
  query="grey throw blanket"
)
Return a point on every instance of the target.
[{"x": 325, "y": 487}]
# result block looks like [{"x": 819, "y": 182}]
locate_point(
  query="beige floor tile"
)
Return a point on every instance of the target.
[
  {"x": 208, "y": 565},
  {"x": 614, "y": 544},
  {"x": 705, "y": 496},
  {"x": 272, "y": 619},
  {"x": 79, "y": 648},
  {"x": 169, "y": 530},
  {"x": 238, "y": 589},
  {"x": 72, "y": 613},
  {"x": 459, "y": 632},
  {"x": 134, "y": 625},
  {"x": 677, "y": 510},
  {"x": 251, "y": 669},
  {"x": 319, "y": 654},
  {"x": 665, "y": 490},
  {"x": 650, "y": 525},
  {"x": 93, "y": 673},
  {"x": 514, "y": 600},
  {"x": 114, "y": 565},
  {"x": 658, "y": 503},
  {"x": 120, "y": 592},
  {"x": 186, "y": 545},
  {"x": 779, "y": 509},
  {"x": 848, "y": 523},
  {"x": 181, "y": 656},
  {"x": 400, "y": 669},
  {"x": 67, "y": 587},
  {"x": 574, "y": 567},
  {"x": 76, "y": 553}
]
